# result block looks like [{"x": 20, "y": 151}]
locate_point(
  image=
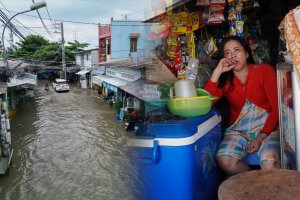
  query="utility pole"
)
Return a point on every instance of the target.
[{"x": 64, "y": 67}]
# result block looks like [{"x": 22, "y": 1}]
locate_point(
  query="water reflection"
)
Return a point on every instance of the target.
[{"x": 68, "y": 146}]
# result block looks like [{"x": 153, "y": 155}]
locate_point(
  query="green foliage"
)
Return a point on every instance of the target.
[
  {"x": 73, "y": 47},
  {"x": 38, "y": 49},
  {"x": 48, "y": 54},
  {"x": 29, "y": 46}
]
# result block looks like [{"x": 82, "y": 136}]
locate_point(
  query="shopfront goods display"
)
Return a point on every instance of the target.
[{"x": 197, "y": 29}]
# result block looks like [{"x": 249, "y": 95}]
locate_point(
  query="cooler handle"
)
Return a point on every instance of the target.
[{"x": 154, "y": 157}]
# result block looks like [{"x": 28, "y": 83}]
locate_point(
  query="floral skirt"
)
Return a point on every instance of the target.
[{"x": 246, "y": 128}]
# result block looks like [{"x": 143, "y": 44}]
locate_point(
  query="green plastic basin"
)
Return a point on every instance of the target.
[{"x": 191, "y": 106}]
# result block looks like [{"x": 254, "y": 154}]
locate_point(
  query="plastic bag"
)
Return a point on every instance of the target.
[
  {"x": 192, "y": 69},
  {"x": 203, "y": 75}
]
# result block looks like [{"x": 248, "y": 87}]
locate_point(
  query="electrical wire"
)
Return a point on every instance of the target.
[
  {"x": 10, "y": 25},
  {"x": 49, "y": 33},
  {"x": 15, "y": 19},
  {"x": 87, "y": 23}
]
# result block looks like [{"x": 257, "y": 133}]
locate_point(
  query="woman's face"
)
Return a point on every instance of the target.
[{"x": 236, "y": 54}]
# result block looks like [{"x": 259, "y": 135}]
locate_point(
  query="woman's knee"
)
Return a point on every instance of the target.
[
  {"x": 227, "y": 162},
  {"x": 270, "y": 164}
]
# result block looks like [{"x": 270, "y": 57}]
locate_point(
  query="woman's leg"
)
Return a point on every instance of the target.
[
  {"x": 230, "y": 153},
  {"x": 232, "y": 165},
  {"x": 269, "y": 152}
]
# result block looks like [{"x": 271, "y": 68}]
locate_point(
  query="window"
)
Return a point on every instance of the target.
[
  {"x": 133, "y": 44},
  {"x": 108, "y": 46}
]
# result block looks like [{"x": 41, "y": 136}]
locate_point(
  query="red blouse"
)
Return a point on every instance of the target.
[{"x": 260, "y": 88}]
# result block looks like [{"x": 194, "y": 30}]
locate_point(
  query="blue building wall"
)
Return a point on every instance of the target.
[{"x": 120, "y": 39}]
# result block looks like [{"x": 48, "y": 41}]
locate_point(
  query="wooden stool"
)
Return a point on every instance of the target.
[{"x": 278, "y": 184}]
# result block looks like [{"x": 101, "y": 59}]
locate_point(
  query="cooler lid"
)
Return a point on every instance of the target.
[
  {"x": 174, "y": 128},
  {"x": 177, "y": 133}
]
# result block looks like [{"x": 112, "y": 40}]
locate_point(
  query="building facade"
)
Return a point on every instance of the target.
[
  {"x": 123, "y": 39},
  {"x": 87, "y": 60}
]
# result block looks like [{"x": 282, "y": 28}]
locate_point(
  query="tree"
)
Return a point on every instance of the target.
[
  {"x": 72, "y": 48},
  {"x": 29, "y": 46},
  {"x": 37, "y": 49},
  {"x": 49, "y": 54}
]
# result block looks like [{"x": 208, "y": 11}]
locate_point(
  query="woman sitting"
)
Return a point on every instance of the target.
[{"x": 251, "y": 90}]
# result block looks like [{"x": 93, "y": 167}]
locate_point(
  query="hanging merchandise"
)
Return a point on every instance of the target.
[
  {"x": 235, "y": 18},
  {"x": 179, "y": 22},
  {"x": 202, "y": 3},
  {"x": 261, "y": 53},
  {"x": 203, "y": 75},
  {"x": 211, "y": 47},
  {"x": 191, "y": 45},
  {"x": 181, "y": 74},
  {"x": 194, "y": 22},
  {"x": 201, "y": 51},
  {"x": 216, "y": 11},
  {"x": 192, "y": 69}
]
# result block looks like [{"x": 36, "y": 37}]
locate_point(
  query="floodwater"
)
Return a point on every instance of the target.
[{"x": 68, "y": 146}]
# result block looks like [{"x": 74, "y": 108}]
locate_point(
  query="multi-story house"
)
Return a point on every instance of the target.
[
  {"x": 123, "y": 39},
  {"x": 87, "y": 60}
]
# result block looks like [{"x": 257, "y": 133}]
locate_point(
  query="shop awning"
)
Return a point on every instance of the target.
[
  {"x": 83, "y": 72},
  {"x": 140, "y": 89},
  {"x": 110, "y": 83},
  {"x": 128, "y": 62},
  {"x": 134, "y": 88},
  {"x": 25, "y": 80}
]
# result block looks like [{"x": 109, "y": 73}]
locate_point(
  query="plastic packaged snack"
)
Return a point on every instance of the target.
[
  {"x": 211, "y": 47},
  {"x": 202, "y": 3},
  {"x": 216, "y": 18}
]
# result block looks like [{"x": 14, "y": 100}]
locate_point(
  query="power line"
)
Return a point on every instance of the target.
[
  {"x": 5, "y": 20},
  {"x": 87, "y": 23},
  {"x": 49, "y": 33},
  {"x": 14, "y": 19}
]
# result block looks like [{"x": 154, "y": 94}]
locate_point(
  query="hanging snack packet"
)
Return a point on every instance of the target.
[
  {"x": 232, "y": 29},
  {"x": 231, "y": 13},
  {"x": 239, "y": 28},
  {"x": 218, "y": 2},
  {"x": 211, "y": 47},
  {"x": 216, "y": 8},
  {"x": 181, "y": 74},
  {"x": 216, "y": 18},
  {"x": 202, "y": 3}
]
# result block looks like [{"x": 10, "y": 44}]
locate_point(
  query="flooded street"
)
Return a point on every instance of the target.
[{"x": 68, "y": 146}]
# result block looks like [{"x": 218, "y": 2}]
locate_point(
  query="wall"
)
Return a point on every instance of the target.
[
  {"x": 79, "y": 59},
  {"x": 94, "y": 59},
  {"x": 120, "y": 42},
  {"x": 87, "y": 59}
]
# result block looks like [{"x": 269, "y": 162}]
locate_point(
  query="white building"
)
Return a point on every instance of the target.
[{"x": 87, "y": 60}]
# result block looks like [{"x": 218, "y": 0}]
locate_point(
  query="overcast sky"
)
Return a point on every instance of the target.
[{"x": 79, "y": 17}]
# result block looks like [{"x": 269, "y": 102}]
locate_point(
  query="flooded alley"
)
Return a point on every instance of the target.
[{"x": 68, "y": 146}]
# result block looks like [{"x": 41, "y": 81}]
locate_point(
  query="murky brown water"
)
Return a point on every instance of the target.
[{"x": 68, "y": 146}]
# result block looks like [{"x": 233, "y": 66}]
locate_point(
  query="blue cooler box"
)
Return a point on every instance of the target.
[{"x": 176, "y": 159}]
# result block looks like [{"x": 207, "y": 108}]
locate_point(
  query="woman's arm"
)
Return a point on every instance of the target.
[{"x": 212, "y": 85}]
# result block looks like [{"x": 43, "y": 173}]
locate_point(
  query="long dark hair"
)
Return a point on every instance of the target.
[{"x": 228, "y": 76}]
